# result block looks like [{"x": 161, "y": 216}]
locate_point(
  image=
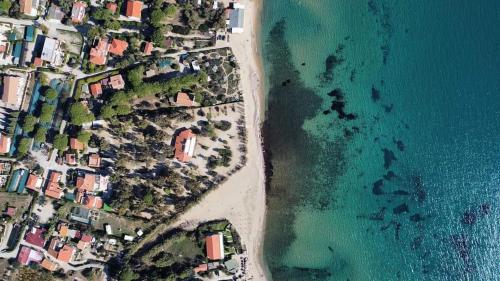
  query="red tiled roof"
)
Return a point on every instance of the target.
[
  {"x": 54, "y": 191},
  {"x": 134, "y": 9},
  {"x": 66, "y": 253},
  {"x": 78, "y": 12},
  {"x": 25, "y": 6},
  {"x": 148, "y": 48},
  {"x": 70, "y": 159},
  {"x": 55, "y": 176},
  {"x": 86, "y": 182},
  {"x": 112, "y": 7},
  {"x": 27, "y": 255},
  {"x": 117, "y": 47},
  {"x": 180, "y": 145},
  {"x": 75, "y": 144},
  {"x": 50, "y": 266},
  {"x": 35, "y": 237},
  {"x": 94, "y": 160},
  {"x": 99, "y": 53},
  {"x": 52, "y": 250},
  {"x": 10, "y": 89},
  {"x": 96, "y": 89},
  {"x": 5, "y": 143},
  {"x": 93, "y": 202},
  {"x": 32, "y": 182},
  {"x": 38, "y": 61},
  {"x": 201, "y": 268},
  {"x": 214, "y": 247},
  {"x": 183, "y": 99}
]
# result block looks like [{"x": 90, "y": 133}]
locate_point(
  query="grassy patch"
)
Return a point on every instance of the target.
[
  {"x": 119, "y": 225},
  {"x": 20, "y": 201}
]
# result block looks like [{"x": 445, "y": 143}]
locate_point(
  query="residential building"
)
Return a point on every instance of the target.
[
  {"x": 214, "y": 245},
  {"x": 118, "y": 47},
  {"x": 53, "y": 189},
  {"x": 94, "y": 160},
  {"x": 114, "y": 82},
  {"x": 92, "y": 183},
  {"x": 35, "y": 237},
  {"x": 98, "y": 54},
  {"x": 5, "y": 142},
  {"x": 236, "y": 18},
  {"x": 184, "y": 99},
  {"x": 66, "y": 253},
  {"x": 55, "y": 13},
  {"x": 134, "y": 9},
  {"x": 71, "y": 159},
  {"x": 75, "y": 144},
  {"x": 47, "y": 264},
  {"x": 34, "y": 182},
  {"x": 148, "y": 48},
  {"x": 112, "y": 7},
  {"x": 28, "y": 7},
  {"x": 12, "y": 90},
  {"x": 78, "y": 12},
  {"x": 27, "y": 255},
  {"x": 52, "y": 52},
  {"x": 84, "y": 242},
  {"x": 185, "y": 144},
  {"x": 93, "y": 202},
  {"x": 96, "y": 90}
]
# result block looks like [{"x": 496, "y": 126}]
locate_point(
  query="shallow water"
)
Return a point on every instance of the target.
[{"x": 383, "y": 138}]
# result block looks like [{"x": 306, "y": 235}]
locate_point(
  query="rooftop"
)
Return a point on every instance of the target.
[
  {"x": 185, "y": 143},
  {"x": 118, "y": 47},
  {"x": 215, "y": 246},
  {"x": 134, "y": 9}
]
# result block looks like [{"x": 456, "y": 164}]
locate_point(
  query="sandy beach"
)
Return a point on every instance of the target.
[{"x": 241, "y": 199}]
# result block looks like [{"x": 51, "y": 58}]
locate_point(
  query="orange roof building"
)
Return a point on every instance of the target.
[
  {"x": 112, "y": 7},
  {"x": 93, "y": 202},
  {"x": 25, "y": 6},
  {"x": 12, "y": 90},
  {"x": 78, "y": 12},
  {"x": 98, "y": 54},
  {"x": 183, "y": 99},
  {"x": 34, "y": 182},
  {"x": 55, "y": 176},
  {"x": 71, "y": 159},
  {"x": 148, "y": 48},
  {"x": 118, "y": 47},
  {"x": 50, "y": 266},
  {"x": 201, "y": 268},
  {"x": 215, "y": 247},
  {"x": 5, "y": 142},
  {"x": 53, "y": 190},
  {"x": 37, "y": 61},
  {"x": 95, "y": 90},
  {"x": 185, "y": 143},
  {"x": 134, "y": 9},
  {"x": 75, "y": 144},
  {"x": 63, "y": 230},
  {"x": 66, "y": 253},
  {"x": 94, "y": 160},
  {"x": 86, "y": 182}
]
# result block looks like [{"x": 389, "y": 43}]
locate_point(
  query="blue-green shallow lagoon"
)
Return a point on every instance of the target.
[{"x": 383, "y": 139}]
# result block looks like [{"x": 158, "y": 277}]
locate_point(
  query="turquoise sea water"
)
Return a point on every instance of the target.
[{"x": 383, "y": 139}]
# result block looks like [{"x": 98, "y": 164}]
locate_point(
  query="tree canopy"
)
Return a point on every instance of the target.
[
  {"x": 80, "y": 114},
  {"x": 47, "y": 112},
  {"x": 40, "y": 134},
  {"x": 61, "y": 142},
  {"x": 50, "y": 94},
  {"x": 29, "y": 123},
  {"x": 135, "y": 76},
  {"x": 84, "y": 137},
  {"x": 5, "y": 6},
  {"x": 23, "y": 147}
]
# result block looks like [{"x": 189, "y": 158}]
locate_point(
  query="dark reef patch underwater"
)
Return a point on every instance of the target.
[{"x": 381, "y": 139}]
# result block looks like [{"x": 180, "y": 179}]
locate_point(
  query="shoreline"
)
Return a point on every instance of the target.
[{"x": 246, "y": 188}]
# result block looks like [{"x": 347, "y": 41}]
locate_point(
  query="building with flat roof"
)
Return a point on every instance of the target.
[
  {"x": 29, "y": 7},
  {"x": 52, "y": 52},
  {"x": 236, "y": 18},
  {"x": 55, "y": 13}
]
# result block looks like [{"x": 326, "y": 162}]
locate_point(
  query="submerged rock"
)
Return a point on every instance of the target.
[
  {"x": 469, "y": 217},
  {"x": 403, "y": 208},
  {"x": 389, "y": 157},
  {"x": 375, "y": 94},
  {"x": 416, "y": 217},
  {"x": 377, "y": 187}
]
